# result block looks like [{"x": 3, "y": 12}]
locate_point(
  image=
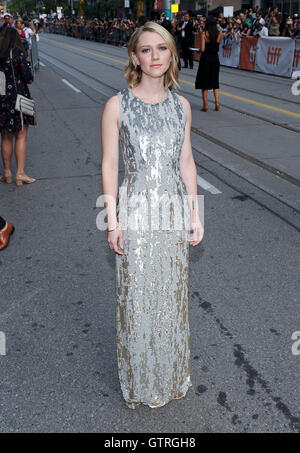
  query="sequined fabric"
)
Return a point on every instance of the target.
[{"x": 153, "y": 338}]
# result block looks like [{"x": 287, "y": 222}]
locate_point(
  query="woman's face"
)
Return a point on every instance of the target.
[
  {"x": 152, "y": 54},
  {"x": 19, "y": 25}
]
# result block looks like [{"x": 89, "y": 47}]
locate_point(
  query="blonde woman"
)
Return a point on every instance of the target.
[{"x": 152, "y": 125}]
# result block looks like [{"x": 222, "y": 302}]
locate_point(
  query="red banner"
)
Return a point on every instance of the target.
[{"x": 248, "y": 52}]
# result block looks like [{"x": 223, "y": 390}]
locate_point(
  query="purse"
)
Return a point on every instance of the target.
[{"x": 23, "y": 105}]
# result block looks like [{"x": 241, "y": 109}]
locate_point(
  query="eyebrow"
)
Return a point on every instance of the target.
[{"x": 149, "y": 45}]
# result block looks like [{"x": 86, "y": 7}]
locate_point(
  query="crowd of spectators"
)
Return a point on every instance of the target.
[
  {"x": 259, "y": 22},
  {"x": 117, "y": 31},
  {"x": 26, "y": 28}
]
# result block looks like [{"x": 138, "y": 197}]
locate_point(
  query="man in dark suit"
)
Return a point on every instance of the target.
[{"x": 186, "y": 29}]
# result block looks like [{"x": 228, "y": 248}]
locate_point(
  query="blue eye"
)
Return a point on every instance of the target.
[
  {"x": 163, "y": 47},
  {"x": 144, "y": 50}
]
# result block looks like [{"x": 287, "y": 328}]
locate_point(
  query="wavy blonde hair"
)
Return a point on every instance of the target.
[{"x": 133, "y": 73}]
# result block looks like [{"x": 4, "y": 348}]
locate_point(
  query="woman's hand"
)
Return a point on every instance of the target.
[
  {"x": 197, "y": 232},
  {"x": 115, "y": 240}
]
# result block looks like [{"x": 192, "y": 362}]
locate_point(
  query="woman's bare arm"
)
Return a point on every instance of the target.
[
  {"x": 202, "y": 45},
  {"x": 189, "y": 173},
  {"x": 110, "y": 157}
]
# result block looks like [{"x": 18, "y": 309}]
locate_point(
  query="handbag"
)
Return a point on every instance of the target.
[{"x": 23, "y": 105}]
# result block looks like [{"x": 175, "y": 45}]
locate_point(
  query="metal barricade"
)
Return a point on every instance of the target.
[
  {"x": 115, "y": 36},
  {"x": 34, "y": 55}
]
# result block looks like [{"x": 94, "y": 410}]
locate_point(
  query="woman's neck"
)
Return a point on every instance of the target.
[{"x": 152, "y": 90}]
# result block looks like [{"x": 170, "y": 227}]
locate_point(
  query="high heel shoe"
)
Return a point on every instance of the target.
[
  {"x": 6, "y": 178},
  {"x": 23, "y": 178},
  {"x": 217, "y": 106}
]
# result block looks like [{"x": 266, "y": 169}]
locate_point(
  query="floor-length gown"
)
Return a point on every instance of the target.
[{"x": 153, "y": 337}]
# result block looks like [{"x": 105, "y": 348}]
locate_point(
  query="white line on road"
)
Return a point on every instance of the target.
[
  {"x": 207, "y": 186},
  {"x": 71, "y": 86},
  {"x": 2, "y": 343},
  {"x": 42, "y": 64}
]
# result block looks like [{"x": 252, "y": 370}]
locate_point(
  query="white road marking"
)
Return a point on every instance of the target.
[
  {"x": 71, "y": 86},
  {"x": 207, "y": 186},
  {"x": 2, "y": 343},
  {"x": 42, "y": 64}
]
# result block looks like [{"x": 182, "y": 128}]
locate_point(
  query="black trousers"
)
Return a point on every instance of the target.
[
  {"x": 188, "y": 55},
  {"x": 2, "y": 223}
]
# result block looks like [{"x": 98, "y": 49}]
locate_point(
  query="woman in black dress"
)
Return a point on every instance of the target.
[
  {"x": 209, "y": 64},
  {"x": 10, "y": 119}
]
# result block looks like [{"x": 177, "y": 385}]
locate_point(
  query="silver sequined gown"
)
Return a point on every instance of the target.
[{"x": 153, "y": 338}]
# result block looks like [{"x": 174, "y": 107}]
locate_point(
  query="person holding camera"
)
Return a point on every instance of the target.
[
  {"x": 288, "y": 28},
  {"x": 273, "y": 25},
  {"x": 296, "y": 31}
]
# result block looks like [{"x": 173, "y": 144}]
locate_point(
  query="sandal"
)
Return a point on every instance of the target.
[
  {"x": 22, "y": 177},
  {"x": 6, "y": 177}
]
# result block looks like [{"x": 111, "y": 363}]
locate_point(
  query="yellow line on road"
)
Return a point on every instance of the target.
[
  {"x": 251, "y": 101},
  {"x": 225, "y": 93}
]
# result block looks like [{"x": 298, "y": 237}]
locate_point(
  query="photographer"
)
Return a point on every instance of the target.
[
  {"x": 273, "y": 25},
  {"x": 296, "y": 31},
  {"x": 237, "y": 30},
  {"x": 288, "y": 28}
]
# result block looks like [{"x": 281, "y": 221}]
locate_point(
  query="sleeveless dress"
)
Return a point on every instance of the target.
[
  {"x": 152, "y": 326},
  {"x": 209, "y": 67}
]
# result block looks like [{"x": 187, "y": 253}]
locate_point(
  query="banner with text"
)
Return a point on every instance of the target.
[
  {"x": 275, "y": 55},
  {"x": 296, "y": 61},
  {"x": 229, "y": 53},
  {"x": 248, "y": 52}
]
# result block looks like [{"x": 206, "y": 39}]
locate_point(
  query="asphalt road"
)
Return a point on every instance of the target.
[{"x": 57, "y": 281}]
